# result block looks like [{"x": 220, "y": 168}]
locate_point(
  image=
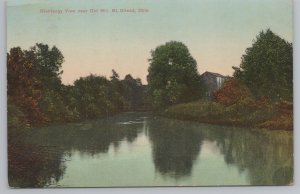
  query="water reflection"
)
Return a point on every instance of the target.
[
  {"x": 38, "y": 158},
  {"x": 34, "y": 166},
  {"x": 267, "y": 156},
  {"x": 91, "y": 137},
  {"x": 174, "y": 148}
]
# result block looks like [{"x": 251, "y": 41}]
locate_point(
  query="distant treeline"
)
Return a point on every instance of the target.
[{"x": 37, "y": 96}]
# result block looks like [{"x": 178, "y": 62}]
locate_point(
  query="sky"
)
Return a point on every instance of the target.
[{"x": 217, "y": 32}]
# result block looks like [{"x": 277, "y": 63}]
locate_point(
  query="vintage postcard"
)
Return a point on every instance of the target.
[{"x": 142, "y": 93}]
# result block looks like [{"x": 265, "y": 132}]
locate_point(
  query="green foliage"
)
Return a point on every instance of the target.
[
  {"x": 92, "y": 95},
  {"x": 95, "y": 96},
  {"x": 199, "y": 110},
  {"x": 52, "y": 106},
  {"x": 267, "y": 67},
  {"x": 243, "y": 113},
  {"x": 173, "y": 77},
  {"x": 49, "y": 62},
  {"x": 15, "y": 117},
  {"x": 133, "y": 92},
  {"x": 37, "y": 95}
]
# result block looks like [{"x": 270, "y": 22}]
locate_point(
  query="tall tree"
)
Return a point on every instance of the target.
[
  {"x": 24, "y": 89},
  {"x": 49, "y": 62},
  {"x": 133, "y": 92},
  {"x": 267, "y": 67},
  {"x": 173, "y": 76},
  {"x": 34, "y": 84}
]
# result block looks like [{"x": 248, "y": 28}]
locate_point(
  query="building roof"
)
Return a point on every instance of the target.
[{"x": 214, "y": 74}]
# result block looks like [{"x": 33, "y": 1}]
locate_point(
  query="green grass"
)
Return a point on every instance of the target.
[{"x": 240, "y": 114}]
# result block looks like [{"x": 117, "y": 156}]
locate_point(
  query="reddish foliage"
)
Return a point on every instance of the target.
[
  {"x": 262, "y": 103},
  {"x": 23, "y": 87},
  {"x": 231, "y": 92}
]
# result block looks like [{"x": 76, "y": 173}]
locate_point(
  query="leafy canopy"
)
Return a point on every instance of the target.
[
  {"x": 267, "y": 67},
  {"x": 173, "y": 77}
]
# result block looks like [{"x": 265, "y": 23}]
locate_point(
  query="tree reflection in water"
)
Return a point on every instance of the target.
[
  {"x": 34, "y": 166},
  {"x": 37, "y": 159},
  {"x": 174, "y": 147},
  {"x": 266, "y": 156},
  {"x": 90, "y": 137}
]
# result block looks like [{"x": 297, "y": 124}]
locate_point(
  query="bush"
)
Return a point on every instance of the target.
[
  {"x": 195, "y": 109},
  {"x": 15, "y": 117},
  {"x": 246, "y": 112},
  {"x": 231, "y": 92}
]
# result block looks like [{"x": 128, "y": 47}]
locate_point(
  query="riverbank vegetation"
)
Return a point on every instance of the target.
[
  {"x": 36, "y": 95},
  {"x": 260, "y": 94},
  {"x": 245, "y": 113}
]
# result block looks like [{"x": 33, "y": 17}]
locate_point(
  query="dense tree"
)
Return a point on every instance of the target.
[
  {"x": 92, "y": 97},
  {"x": 23, "y": 87},
  {"x": 49, "y": 62},
  {"x": 36, "y": 94},
  {"x": 267, "y": 67},
  {"x": 173, "y": 76},
  {"x": 70, "y": 103},
  {"x": 15, "y": 117},
  {"x": 34, "y": 85},
  {"x": 96, "y": 96},
  {"x": 133, "y": 92},
  {"x": 117, "y": 91}
]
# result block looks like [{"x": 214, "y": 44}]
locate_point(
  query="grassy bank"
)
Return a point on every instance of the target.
[{"x": 278, "y": 116}]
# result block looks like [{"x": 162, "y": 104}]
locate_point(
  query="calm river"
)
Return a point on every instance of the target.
[{"x": 136, "y": 149}]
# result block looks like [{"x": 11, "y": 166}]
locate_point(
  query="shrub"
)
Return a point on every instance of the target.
[
  {"x": 15, "y": 117},
  {"x": 231, "y": 92}
]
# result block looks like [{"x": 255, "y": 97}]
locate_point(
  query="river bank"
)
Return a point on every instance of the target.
[{"x": 272, "y": 117}]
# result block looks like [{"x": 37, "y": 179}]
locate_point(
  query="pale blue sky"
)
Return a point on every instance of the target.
[{"x": 217, "y": 32}]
